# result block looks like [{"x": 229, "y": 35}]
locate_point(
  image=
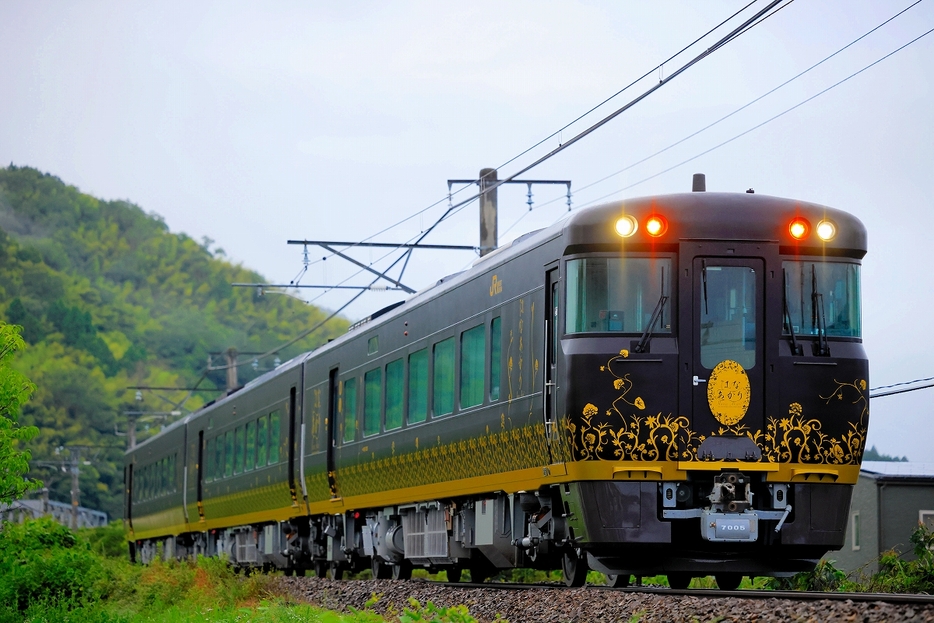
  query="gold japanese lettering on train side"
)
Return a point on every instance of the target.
[{"x": 496, "y": 286}]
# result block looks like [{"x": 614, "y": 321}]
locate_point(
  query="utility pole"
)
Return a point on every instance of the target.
[
  {"x": 75, "y": 490},
  {"x": 488, "y": 211},
  {"x": 232, "y": 382}
]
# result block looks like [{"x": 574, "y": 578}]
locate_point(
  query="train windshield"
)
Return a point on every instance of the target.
[
  {"x": 617, "y": 294},
  {"x": 822, "y": 294}
]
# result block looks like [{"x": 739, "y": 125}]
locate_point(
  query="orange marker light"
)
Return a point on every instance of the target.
[
  {"x": 799, "y": 228},
  {"x": 626, "y": 226},
  {"x": 826, "y": 230},
  {"x": 656, "y": 225}
]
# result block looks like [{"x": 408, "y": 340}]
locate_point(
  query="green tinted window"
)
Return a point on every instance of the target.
[
  {"x": 617, "y": 294},
  {"x": 372, "y": 392},
  {"x": 442, "y": 400},
  {"x": 274, "y": 437},
  {"x": 473, "y": 353},
  {"x": 418, "y": 386},
  {"x": 240, "y": 444},
  {"x": 262, "y": 441},
  {"x": 219, "y": 458},
  {"x": 395, "y": 390},
  {"x": 348, "y": 409},
  {"x": 822, "y": 296},
  {"x": 250, "y": 446},
  {"x": 496, "y": 356},
  {"x": 229, "y": 453}
]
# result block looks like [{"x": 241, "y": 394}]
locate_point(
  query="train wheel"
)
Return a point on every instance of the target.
[
  {"x": 617, "y": 581},
  {"x": 335, "y": 571},
  {"x": 728, "y": 581},
  {"x": 321, "y": 568},
  {"x": 574, "y": 568},
  {"x": 381, "y": 571},
  {"x": 402, "y": 571},
  {"x": 454, "y": 575},
  {"x": 679, "y": 581}
]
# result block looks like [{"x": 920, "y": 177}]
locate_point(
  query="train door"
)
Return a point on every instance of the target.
[
  {"x": 128, "y": 480},
  {"x": 552, "y": 344},
  {"x": 200, "y": 475},
  {"x": 332, "y": 430},
  {"x": 728, "y": 353},
  {"x": 292, "y": 440}
]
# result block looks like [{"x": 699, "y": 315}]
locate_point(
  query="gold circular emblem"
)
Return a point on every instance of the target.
[{"x": 728, "y": 392}]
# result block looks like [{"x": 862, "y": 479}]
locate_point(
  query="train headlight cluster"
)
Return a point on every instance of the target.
[
  {"x": 799, "y": 228},
  {"x": 655, "y": 225}
]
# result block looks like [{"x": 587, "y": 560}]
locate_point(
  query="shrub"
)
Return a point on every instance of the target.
[{"x": 43, "y": 562}]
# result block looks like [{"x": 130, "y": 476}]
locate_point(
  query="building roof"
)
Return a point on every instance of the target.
[{"x": 894, "y": 470}]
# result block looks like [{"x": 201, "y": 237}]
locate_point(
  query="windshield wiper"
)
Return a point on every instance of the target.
[
  {"x": 795, "y": 349},
  {"x": 647, "y": 334},
  {"x": 817, "y": 317},
  {"x": 704, "y": 280}
]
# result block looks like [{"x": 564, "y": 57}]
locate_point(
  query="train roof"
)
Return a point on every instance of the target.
[{"x": 708, "y": 215}]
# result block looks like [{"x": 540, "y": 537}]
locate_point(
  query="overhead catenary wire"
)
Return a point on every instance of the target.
[
  {"x": 759, "y": 125},
  {"x": 714, "y": 123}
]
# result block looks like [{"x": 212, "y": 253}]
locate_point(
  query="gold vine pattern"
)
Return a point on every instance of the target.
[{"x": 627, "y": 435}]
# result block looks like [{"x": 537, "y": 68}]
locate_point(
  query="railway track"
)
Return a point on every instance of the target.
[
  {"x": 712, "y": 593},
  {"x": 555, "y": 603}
]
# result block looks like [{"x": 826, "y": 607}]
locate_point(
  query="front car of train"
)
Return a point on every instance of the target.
[{"x": 712, "y": 382}]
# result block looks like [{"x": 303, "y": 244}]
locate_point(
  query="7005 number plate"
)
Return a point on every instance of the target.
[{"x": 730, "y": 527}]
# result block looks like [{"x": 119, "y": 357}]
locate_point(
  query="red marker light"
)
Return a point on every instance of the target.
[
  {"x": 799, "y": 228},
  {"x": 656, "y": 225}
]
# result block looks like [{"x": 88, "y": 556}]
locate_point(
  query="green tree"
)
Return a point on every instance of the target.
[{"x": 15, "y": 389}]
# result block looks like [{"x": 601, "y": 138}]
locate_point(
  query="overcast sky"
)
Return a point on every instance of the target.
[{"x": 255, "y": 123}]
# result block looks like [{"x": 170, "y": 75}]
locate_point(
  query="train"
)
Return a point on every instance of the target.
[{"x": 669, "y": 385}]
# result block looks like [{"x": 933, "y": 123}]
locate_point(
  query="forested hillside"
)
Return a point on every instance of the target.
[{"x": 109, "y": 298}]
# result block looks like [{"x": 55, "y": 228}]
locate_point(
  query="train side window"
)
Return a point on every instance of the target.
[
  {"x": 372, "y": 345},
  {"x": 209, "y": 460},
  {"x": 496, "y": 355},
  {"x": 239, "y": 444},
  {"x": 473, "y": 350},
  {"x": 395, "y": 390},
  {"x": 229, "y": 453},
  {"x": 219, "y": 457},
  {"x": 173, "y": 475},
  {"x": 442, "y": 399},
  {"x": 372, "y": 393},
  {"x": 348, "y": 409},
  {"x": 164, "y": 463},
  {"x": 250, "y": 461},
  {"x": 418, "y": 387},
  {"x": 262, "y": 442},
  {"x": 274, "y": 437}
]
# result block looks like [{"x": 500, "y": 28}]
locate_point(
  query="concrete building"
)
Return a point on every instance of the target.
[{"x": 889, "y": 501}]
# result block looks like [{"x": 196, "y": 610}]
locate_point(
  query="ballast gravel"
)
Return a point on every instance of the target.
[{"x": 561, "y": 605}]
